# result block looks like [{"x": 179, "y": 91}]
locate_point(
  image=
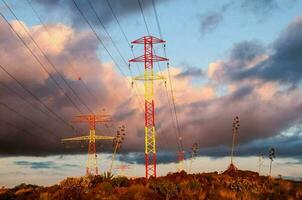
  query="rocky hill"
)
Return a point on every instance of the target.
[{"x": 228, "y": 185}]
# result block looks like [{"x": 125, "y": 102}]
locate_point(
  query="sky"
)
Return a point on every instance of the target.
[{"x": 227, "y": 58}]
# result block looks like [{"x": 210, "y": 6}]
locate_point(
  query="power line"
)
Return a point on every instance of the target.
[
  {"x": 101, "y": 42},
  {"x": 117, "y": 20},
  {"x": 158, "y": 65},
  {"x": 27, "y": 101},
  {"x": 40, "y": 63},
  {"x": 157, "y": 19},
  {"x": 112, "y": 41},
  {"x": 50, "y": 36},
  {"x": 147, "y": 28},
  {"x": 21, "y": 130},
  {"x": 28, "y": 119},
  {"x": 122, "y": 30},
  {"x": 97, "y": 36},
  {"x": 169, "y": 77},
  {"x": 35, "y": 97},
  {"x": 105, "y": 29},
  {"x": 48, "y": 60},
  {"x": 12, "y": 125},
  {"x": 143, "y": 15}
]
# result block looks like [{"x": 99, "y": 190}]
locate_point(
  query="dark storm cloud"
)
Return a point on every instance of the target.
[
  {"x": 285, "y": 62},
  {"x": 208, "y": 121},
  {"x": 139, "y": 158},
  {"x": 36, "y": 130},
  {"x": 258, "y": 119},
  {"x": 246, "y": 51},
  {"x": 285, "y": 147},
  {"x": 121, "y": 9},
  {"x": 210, "y": 22},
  {"x": 190, "y": 72}
]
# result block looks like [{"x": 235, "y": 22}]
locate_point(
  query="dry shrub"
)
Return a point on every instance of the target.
[
  {"x": 120, "y": 181},
  {"x": 178, "y": 186},
  {"x": 24, "y": 191},
  {"x": 3, "y": 190},
  {"x": 140, "y": 192},
  {"x": 72, "y": 188},
  {"x": 45, "y": 196},
  {"x": 105, "y": 187},
  {"x": 227, "y": 194}
]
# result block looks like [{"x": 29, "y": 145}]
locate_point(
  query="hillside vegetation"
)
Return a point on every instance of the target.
[{"x": 228, "y": 185}]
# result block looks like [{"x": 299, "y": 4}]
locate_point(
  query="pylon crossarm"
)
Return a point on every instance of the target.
[
  {"x": 101, "y": 137},
  {"x": 148, "y": 39},
  {"x": 149, "y": 77},
  {"x": 81, "y": 138},
  {"x": 153, "y": 58},
  {"x": 96, "y": 118}
]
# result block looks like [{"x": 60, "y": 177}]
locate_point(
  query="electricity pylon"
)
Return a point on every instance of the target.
[
  {"x": 149, "y": 77},
  {"x": 193, "y": 154},
  {"x": 119, "y": 138},
  {"x": 92, "y": 120},
  {"x": 234, "y": 134},
  {"x": 260, "y": 162},
  {"x": 180, "y": 158}
]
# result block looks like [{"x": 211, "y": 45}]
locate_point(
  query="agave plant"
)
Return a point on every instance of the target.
[
  {"x": 107, "y": 176},
  {"x": 272, "y": 156}
]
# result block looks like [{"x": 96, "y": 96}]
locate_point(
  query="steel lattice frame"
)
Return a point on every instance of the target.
[
  {"x": 148, "y": 77},
  {"x": 91, "y": 165}
]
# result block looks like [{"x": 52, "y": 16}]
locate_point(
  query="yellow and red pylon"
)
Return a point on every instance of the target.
[
  {"x": 92, "y": 120},
  {"x": 148, "y": 77}
]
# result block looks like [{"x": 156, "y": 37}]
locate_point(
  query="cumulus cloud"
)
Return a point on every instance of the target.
[
  {"x": 79, "y": 50},
  {"x": 243, "y": 56},
  {"x": 264, "y": 106},
  {"x": 286, "y": 145},
  {"x": 283, "y": 64}
]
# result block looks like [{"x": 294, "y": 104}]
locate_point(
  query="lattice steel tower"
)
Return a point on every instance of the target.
[
  {"x": 92, "y": 120},
  {"x": 148, "y": 77}
]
